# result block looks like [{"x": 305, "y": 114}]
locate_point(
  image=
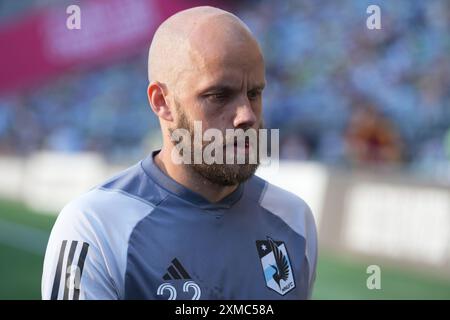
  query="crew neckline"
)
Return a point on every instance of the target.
[{"x": 166, "y": 182}]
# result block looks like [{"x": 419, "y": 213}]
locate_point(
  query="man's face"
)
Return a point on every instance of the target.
[{"x": 223, "y": 90}]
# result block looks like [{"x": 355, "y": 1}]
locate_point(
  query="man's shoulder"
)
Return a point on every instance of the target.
[
  {"x": 291, "y": 208},
  {"x": 271, "y": 194},
  {"x": 103, "y": 220},
  {"x": 134, "y": 182},
  {"x": 128, "y": 191}
]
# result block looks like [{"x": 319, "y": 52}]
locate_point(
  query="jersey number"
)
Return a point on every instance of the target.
[{"x": 187, "y": 286}]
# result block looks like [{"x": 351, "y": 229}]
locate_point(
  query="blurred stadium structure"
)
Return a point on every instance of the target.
[{"x": 364, "y": 119}]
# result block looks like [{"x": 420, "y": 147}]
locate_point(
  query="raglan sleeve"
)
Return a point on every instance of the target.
[{"x": 75, "y": 265}]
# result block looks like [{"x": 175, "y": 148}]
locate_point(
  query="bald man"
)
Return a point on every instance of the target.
[{"x": 171, "y": 229}]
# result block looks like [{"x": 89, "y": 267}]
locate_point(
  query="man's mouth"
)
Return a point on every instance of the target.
[{"x": 239, "y": 147}]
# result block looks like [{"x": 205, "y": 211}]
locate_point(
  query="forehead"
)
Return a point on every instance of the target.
[{"x": 226, "y": 65}]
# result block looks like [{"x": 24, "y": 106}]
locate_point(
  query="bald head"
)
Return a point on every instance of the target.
[{"x": 185, "y": 41}]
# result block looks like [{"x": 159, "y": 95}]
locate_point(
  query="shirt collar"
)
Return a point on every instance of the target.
[{"x": 166, "y": 182}]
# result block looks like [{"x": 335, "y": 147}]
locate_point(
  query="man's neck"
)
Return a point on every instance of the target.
[{"x": 191, "y": 179}]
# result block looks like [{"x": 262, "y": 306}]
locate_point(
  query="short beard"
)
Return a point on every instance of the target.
[{"x": 220, "y": 174}]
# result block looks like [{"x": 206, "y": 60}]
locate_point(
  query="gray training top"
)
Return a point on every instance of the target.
[{"x": 142, "y": 235}]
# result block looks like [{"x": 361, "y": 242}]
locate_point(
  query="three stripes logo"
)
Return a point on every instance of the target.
[
  {"x": 176, "y": 271},
  {"x": 66, "y": 284}
]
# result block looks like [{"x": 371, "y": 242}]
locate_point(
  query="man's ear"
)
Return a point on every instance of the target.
[{"x": 158, "y": 102}]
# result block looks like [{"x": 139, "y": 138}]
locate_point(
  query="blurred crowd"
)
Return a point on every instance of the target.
[
  {"x": 339, "y": 93},
  {"x": 103, "y": 110},
  {"x": 347, "y": 94}
]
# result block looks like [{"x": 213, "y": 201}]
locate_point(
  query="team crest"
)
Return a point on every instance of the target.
[{"x": 276, "y": 265}]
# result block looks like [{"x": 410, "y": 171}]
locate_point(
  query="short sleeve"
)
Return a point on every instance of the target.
[{"x": 75, "y": 266}]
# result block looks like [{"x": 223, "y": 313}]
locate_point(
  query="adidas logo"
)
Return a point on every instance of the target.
[{"x": 176, "y": 271}]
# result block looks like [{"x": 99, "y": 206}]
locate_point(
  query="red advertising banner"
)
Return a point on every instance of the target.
[{"x": 40, "y": 45}]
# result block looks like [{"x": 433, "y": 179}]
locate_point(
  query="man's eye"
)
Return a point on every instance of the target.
[
  {"x": 254, "y": 94},
  {"x": 217, "y": 97}
]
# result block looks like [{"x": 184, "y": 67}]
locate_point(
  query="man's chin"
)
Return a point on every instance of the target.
[{"x": 225, "y": 174}]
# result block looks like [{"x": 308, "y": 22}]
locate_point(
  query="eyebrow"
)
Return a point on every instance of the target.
[
  {"x": 219, "y": 88},
  {"x": 229, "y": 88},
  {"x": 259, "y": 86}
]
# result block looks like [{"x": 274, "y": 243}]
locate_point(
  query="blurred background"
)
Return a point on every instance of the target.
[{"x": 364, "y": 119}]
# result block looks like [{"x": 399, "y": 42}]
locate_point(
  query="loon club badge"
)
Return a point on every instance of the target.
[{"x": 276, "y": 265}]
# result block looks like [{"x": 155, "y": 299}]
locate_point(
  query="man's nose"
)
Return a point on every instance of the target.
[{"x": 245, "y": 117}]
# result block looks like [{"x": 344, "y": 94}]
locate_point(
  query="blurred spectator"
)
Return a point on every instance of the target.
[{"x": 371, "y": 138}]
